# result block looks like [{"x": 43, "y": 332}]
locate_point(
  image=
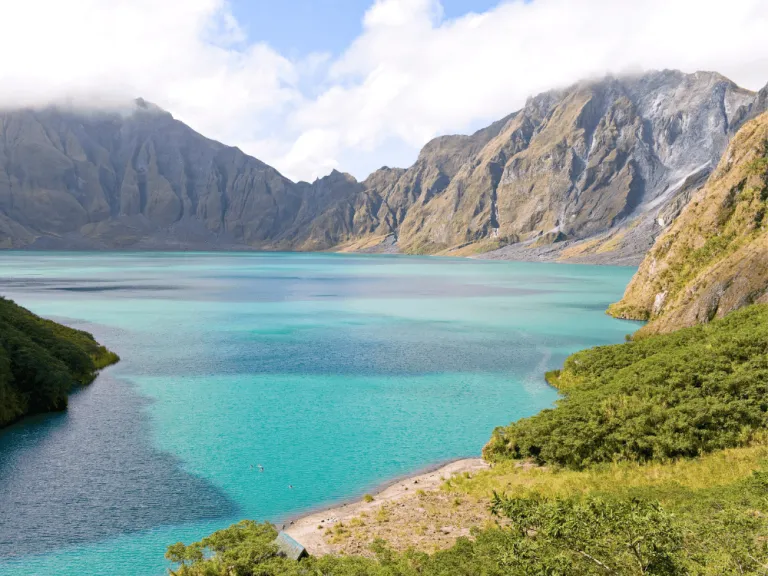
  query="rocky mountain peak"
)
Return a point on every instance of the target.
[{"x": 590, "y": 172}]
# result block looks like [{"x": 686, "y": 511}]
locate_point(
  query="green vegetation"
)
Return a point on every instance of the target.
[
  {"x": 649, "y": 527},
  {"x": 658, "y": 398},
  {"x": 717, "y": 503},
  {"x": 655, "y": 462},
  {"x": 41, "y": 362},
  {"x": 542, "y": 537}
]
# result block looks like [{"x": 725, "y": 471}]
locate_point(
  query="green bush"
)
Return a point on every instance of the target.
[
  {"x": 41, "y": 362},
  {"x": 653, "y": 399}
]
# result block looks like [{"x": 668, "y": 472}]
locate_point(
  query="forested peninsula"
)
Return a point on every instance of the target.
[
  {"x": 42, "y": 362},
  {"x": 655, "y": 461}
]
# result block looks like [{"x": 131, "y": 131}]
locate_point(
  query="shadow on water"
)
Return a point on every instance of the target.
[{"x": 90, "y": 473}]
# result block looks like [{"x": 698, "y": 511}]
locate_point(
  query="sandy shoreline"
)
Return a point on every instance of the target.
[{"x": 306, "y": 529}]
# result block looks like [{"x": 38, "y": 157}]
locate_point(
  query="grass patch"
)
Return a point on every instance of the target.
[{"x": 717, "y": 469}]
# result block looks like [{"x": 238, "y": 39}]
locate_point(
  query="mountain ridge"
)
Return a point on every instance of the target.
[{"x": 574, "y": 165}]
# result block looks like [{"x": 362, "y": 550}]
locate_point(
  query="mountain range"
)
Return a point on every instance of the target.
[{"x": 593, "y": 172}]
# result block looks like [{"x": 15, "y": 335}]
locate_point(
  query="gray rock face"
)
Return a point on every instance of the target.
[
  {"x": 593, "y": 172},
  {"x": 143, "y": 180}
]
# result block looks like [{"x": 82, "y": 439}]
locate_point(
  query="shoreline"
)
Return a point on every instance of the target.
[
  {"x": 247, "y": 250},
  {"x": 308, "y": 528}
]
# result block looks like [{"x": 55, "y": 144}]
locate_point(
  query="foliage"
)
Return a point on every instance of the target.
[
  {"x": 630, "y": 536},
  {"x": 653, "y": 399},
  {"x": 234, "y": 551},
  {"x": 565, "y": 536},
  {"x": 717, "y": 502},
  {"x": 41, "y": 362}
]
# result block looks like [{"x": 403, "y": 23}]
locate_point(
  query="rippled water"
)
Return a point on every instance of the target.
[{"x": 334, "y": 372}]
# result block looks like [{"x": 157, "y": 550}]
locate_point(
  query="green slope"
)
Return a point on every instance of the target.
[
  {"x": 41, "y": 362},
  {"x": 658, "y": 398}
]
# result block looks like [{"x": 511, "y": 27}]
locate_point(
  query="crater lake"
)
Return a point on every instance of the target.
[{"x": 336, "y": 373}]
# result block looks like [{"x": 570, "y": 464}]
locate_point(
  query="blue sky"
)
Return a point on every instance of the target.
[{"x": 299, "y": 27}]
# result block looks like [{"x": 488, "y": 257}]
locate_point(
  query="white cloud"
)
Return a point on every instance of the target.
[
  {"x": 409, "y": 76},
  {"x": 412, "y": 76},
  {"x": 188, "y": 56}
]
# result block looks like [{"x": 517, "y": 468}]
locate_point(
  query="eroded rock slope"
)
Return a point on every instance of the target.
[{"x": 714, "y": 257}]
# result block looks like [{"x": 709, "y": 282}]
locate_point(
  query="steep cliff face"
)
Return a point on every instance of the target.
[
  {"x": 593, "y": 173},
  {"x": 597, "y": 158},
  {"x": 714, "y": 258},
  {"x": 397, "y": 195}
]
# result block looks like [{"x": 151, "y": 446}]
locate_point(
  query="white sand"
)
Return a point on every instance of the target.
[{"x": 305, "y": 530}]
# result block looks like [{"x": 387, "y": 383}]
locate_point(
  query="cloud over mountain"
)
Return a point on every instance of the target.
[{"x": 410, "y": 75}]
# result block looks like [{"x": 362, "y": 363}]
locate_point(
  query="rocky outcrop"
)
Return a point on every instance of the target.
[
  {"x": 714, "y": 258},
  {"x": 593, "y": 172}
]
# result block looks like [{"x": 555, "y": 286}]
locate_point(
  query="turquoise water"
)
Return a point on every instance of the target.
[{"x": 336, "y": 373}]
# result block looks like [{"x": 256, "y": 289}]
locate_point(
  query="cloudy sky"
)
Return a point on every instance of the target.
[{"x": 312, "y": 85}]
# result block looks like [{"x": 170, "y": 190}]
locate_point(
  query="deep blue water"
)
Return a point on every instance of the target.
[{"x": 334, "y": 372}]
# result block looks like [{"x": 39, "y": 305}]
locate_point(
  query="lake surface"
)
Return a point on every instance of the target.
[{"x": 334, "y": 372}]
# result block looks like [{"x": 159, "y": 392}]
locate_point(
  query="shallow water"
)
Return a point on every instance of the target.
[{"x": 334, "y": 372}]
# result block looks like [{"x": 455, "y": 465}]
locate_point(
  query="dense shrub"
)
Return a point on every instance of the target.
[
  {"x": 658, "y": 398},
  {"x": 41, "y": 362}
]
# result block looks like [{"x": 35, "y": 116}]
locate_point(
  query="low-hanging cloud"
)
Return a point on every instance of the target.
[
  {"x": 410, "y": 75},
  {"x": 188, "y": 56}
]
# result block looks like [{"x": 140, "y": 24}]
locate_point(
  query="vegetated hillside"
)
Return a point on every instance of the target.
[
  {"x": 714, "y": 258},
  {"x": 41, "y": 362},
  {"x": 658, "y": 398},
  {"x": 592, "y": 172},
  {"x": 656, "y": 463}
]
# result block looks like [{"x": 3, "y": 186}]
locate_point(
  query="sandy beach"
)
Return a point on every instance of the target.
[{"x": 310, "y": 530}]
